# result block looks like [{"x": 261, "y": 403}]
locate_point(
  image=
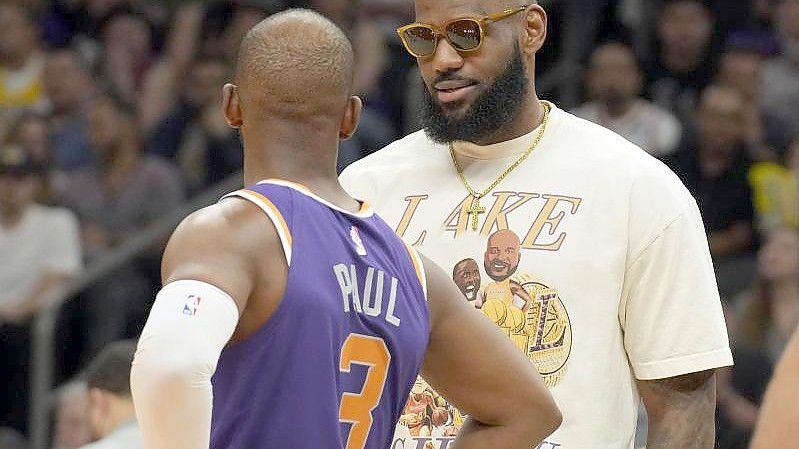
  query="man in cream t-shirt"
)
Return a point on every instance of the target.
[{"x": 592, "y": 255}]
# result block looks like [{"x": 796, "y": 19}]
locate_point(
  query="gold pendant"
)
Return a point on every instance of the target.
[{"x": 475, "y": 210}]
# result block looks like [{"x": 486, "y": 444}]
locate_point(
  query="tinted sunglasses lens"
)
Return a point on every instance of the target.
[
  {"x": 421, "y": 41},
  {"x": 464, "y": 34}
]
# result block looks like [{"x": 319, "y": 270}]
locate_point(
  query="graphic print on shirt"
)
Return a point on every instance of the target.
[{"x": 527, "y": 308}]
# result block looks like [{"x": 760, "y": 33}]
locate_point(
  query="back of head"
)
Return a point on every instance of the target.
[
  {"x": 294, "y": 65},
  {"x": 110, "y": 369}
]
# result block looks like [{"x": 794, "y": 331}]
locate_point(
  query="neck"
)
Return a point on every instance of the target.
[
  {"x": 681, "y": 61},
  {"x": 529, "y": 118},
  {"x": 616, "y": 109},
  {"x": 10, "y": 217},
  {"x": 295, "y": 154}
]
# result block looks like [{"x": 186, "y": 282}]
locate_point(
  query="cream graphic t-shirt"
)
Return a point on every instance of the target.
[{"x": 591, "y": 256}]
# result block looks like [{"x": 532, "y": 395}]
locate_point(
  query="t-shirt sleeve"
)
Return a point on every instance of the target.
[
  {"x": 670, "y": 310},
  {"x": 64, "y": 255}
]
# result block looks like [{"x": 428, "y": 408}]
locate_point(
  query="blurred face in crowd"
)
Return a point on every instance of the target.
[
  {"x": 98, "y": 8},
  {"x": 720, "y": 119},
  {"x": 18, "y": 191},
  {"x": 788, "y": 25},
  {"x": 32, "y": 133},
  {"x": 614, "y": 78},
  {"x": 109, "y": 127},
  {"x": 130, "y": 33},
  {"x": 684, "y": 27},
  {"x": 18, "y": 35},
  {"x": 473, "y": 95},
  {"x": 205, "y": 81},
  {"x": 779, "y": 258},
  {"x": 66, "y": 82},
  {"x": 741, "y": 71},
  {"x": 339, "y": 11}
]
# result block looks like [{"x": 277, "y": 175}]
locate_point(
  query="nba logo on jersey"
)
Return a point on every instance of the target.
[
  {"x": 192, "y": 305},
  {"x": 356, "y": 239}
]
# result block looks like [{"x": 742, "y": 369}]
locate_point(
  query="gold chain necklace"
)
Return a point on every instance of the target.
[{"x": 475, "y": 210}]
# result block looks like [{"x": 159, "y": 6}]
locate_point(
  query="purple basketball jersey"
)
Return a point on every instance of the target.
[{"x": 334, "y": 365}]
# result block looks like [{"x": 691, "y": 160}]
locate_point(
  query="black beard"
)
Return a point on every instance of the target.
[{"x": 493, "y": 109}]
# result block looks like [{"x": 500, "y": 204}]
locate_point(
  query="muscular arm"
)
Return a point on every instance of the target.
[
  {"x": 778, "y": 425},
  {"x": 472, "y": 364},
  {"x": 177, "y": 354},
  {"x": 681, "y": 411}
]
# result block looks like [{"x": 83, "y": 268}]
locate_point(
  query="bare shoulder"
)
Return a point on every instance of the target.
[{"x": 226, "y": 244}]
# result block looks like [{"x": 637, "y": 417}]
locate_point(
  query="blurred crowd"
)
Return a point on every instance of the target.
[{"x": 110, "y": 120}]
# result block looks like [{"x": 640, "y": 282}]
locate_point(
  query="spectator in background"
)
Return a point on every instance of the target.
[
  {"x": 194, "y": 134},
  {"x": 781, "y": 75},
  {"x": 111, "y": 413},
  {"x": 128, "y": 54},
  {"x": 776, "y": 191},
  {"x": 41, "y": 251},
  {"x": 69, "y": 86},
  {"x": 71, "y": 429},
  {"x": 124, "y": 193},
  {"x": 769, "y": 313},
  {"x": 614, "y": 87},
  {"x": 31, "y": 131},
  {"x": 370, "y": 45},
  {"x": 21, "y": 59},
  {"x": 684, "y": 61},
  {"x": 713, "y": 165},
  {"x": 741, "y": 69},
  {"x": 126, "y": 190}
]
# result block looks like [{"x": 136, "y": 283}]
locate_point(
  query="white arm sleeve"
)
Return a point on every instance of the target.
[{"x": 189, "y": 325}]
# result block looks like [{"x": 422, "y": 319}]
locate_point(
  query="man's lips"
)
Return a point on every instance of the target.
[{"x": 453, "y": 90}]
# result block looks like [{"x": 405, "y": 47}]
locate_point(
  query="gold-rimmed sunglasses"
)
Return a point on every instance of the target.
[{"x": 465, "y": 34}]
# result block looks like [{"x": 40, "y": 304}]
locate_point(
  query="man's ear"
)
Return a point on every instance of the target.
[
  {"x": 351, "y": 117},
  {"x": 535, "y": 30},
  {"x": 231, "y": 105}
]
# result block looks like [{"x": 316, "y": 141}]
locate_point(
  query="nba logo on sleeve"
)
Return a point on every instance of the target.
[
  {"x": 192, "y": 305},
  {"x": 356, "y": 240}
]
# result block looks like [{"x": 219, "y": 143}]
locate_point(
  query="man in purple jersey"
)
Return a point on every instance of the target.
[{"x": 295, "y": 314}]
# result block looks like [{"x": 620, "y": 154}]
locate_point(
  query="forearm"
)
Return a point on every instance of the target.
[
  {"x": 689, "y": 429},
  {"x": 475, "y": 435},
  {"x": 681, "y": 411},
  {"x": 173, "y": 408}
]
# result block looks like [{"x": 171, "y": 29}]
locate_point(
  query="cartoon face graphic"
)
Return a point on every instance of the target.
[
  {"x": 502, "y": 255},
  {"x": 466, "y": 275}
]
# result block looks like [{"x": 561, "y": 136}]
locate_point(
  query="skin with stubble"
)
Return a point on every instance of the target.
[{"x": 681, "y": 409}]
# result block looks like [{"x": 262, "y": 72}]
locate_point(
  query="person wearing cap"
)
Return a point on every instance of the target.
[{"x": 41, "y": 251}]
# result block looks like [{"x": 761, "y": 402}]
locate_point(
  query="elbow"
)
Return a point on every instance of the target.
[
  {"x": 554, "y": 418},
  {"x": 542, "y": 410},
  {"x": 153, "y": 374}
]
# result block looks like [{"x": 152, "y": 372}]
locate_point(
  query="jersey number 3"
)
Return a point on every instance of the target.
[{"x": 357, "y": 408}]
